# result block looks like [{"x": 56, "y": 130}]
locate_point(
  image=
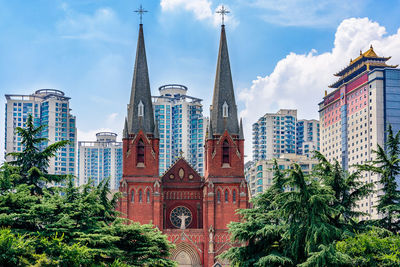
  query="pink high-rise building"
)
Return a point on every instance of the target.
[{"x": 354, "y": 116}]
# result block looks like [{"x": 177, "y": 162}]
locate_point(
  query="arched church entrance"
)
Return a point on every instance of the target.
[{"x": 185, "y": 255}]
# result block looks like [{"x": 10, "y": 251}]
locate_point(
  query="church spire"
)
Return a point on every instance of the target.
[
  {"x": 125, "y": 130},
  {"x": 140, "y": 108},
  {"x": 223, "y": 110}
]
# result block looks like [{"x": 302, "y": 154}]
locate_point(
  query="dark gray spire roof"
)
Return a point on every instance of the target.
[
  {"x": 140, "y": 93},
  {"x": 210, "y": 130},
  {"x": 125, "y": 131},
  {"x": 223, "y": 93},
  {"x": 156, "y": 131},
  {"x": 241, "y": 135}
]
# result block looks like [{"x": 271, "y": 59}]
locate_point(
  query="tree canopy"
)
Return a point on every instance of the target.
[
  {"x": 44, "y": 225},
  {"x": 301, "y": 218}
]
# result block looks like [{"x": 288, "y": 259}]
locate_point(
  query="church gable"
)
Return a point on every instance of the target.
[{"x": 181, "y": 172}]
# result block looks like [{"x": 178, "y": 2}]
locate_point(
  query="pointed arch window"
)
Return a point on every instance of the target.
[
  {"x": 225, "y": 110},
  {"x": 148, "y": 196},
  {"x": 140, "y": 109},
  {"x": 140, "y": 196},
  {"x": 226, "y": 195},
  {"x": 140, "y": 152},
  {"x": 225, "y": 152},
  {"x": 218, "y": 196},
  {"x": 133, "y": 196},
  {"x": 234, "y": 196}
]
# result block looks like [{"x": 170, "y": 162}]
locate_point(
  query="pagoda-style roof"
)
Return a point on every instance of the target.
[{"x": 365, "y": 61}]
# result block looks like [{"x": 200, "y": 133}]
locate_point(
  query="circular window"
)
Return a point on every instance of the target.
[{"x": 178, "y": 215}]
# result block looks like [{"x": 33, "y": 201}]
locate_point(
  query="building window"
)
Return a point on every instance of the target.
[
  {"x": 140, "y": 196},
  {"x": 225, "y": 110},
  {"x": 225, "y": 152},
  {"x": 133, "y": 196},
  {"x": 218, "y": 196},
  {"x": 234, "y": 196},
  {"x": 226, "y": 195},
  {"x": 140, "y": 109},
  {"x": 148, "y": 196},
  {"x": 140, "y": 152}
]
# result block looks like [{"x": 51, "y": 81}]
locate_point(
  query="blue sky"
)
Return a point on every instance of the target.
[{"x": 283, "y": 53}]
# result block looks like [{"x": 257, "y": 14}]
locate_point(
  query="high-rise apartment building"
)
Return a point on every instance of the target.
[
  {"x": 274, "y": 134},
  {"x": 181, "y": 125},
  {"x": 100, "y": 159},
  {"x": 307, "y": 137},
  {"x": 260, "y": 174},
  {"x": 48, "y": 107},
  {"x": 354, "y": 117}
]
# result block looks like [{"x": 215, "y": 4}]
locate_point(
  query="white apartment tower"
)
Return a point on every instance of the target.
[
  {"x": 181, "y": 125},
  {"x": 275, "y": 134},
  {"x": 307, "y": 137},
  {"x": 100, "y": 159},
  {"x": 260, "y": 174},
  {"x": 48, "y": 107}
]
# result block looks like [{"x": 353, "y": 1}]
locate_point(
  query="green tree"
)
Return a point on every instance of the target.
[
  {"x": 347, "y": 188},
  {"x": 68, "y": 226},
  {"x": 15, "y": 201},
  {"x": 133, "y": 244},
  {"x": 32, "y": 161},
  {"x": 299, "y": 218},
  {"x": 261, "y": 229},
  {"x": 81, "y": 216},
  {"x": 15, "y": 250},
  {"x": 23, "y": 250},
  {"x": 306, "y": 212},
  {"x": 387, "y": 166},
  {"x": 376, "y": 247}
]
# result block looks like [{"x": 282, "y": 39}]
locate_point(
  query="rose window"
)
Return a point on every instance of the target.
[{"x": 178, "y": 215}]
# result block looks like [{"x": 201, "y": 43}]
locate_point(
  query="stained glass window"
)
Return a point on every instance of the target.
[{"x": 178, "y": 213}]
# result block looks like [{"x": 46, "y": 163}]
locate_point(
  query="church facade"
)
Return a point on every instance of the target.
[{"x": 193, "y": 211}]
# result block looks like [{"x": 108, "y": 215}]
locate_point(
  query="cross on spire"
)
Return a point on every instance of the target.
[
  {"x": 223, "y": 12},
  {"x": 140, "y": 11}
]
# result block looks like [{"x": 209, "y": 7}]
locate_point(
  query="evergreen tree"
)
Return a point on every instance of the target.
[
  {"x": 67, "y": 226},
  {"x": 387, "y": 166},
  {"x": 306, "y": 212},
  {"x": 23, "y": 250},
  {"x": 373, "y": 248},
  {"x": 261, "y": 229},
  {"x": 299, "y": 218},
  {"x": 347, "y": 188},
  {"x": 32, "y": 161}
]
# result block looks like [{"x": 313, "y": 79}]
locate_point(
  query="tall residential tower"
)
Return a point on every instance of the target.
[
  {"x": 48, "y": 107},
  {"x": 307, "y": 137},
  {"x": 356, "y": 114},
  {"x": 181, "y": 125},
  {"x": 275, "y": 134},
  {"x": 100, "y": 159}
]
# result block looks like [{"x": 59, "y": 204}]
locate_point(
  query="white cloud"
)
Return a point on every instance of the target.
[
  {"x": 102, "y": 25},
  {"x": 112, "y": 118},
  {"x": 90, "y": 135},
  {"x": 307, "y": 12},
  {"x": 112, "y": 123},
  {"x": 201, "y": 9},
  {"x": 299, "y": 80}
]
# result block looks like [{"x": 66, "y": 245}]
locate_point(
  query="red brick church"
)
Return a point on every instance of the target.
[{"x": 192, "y": 210}]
